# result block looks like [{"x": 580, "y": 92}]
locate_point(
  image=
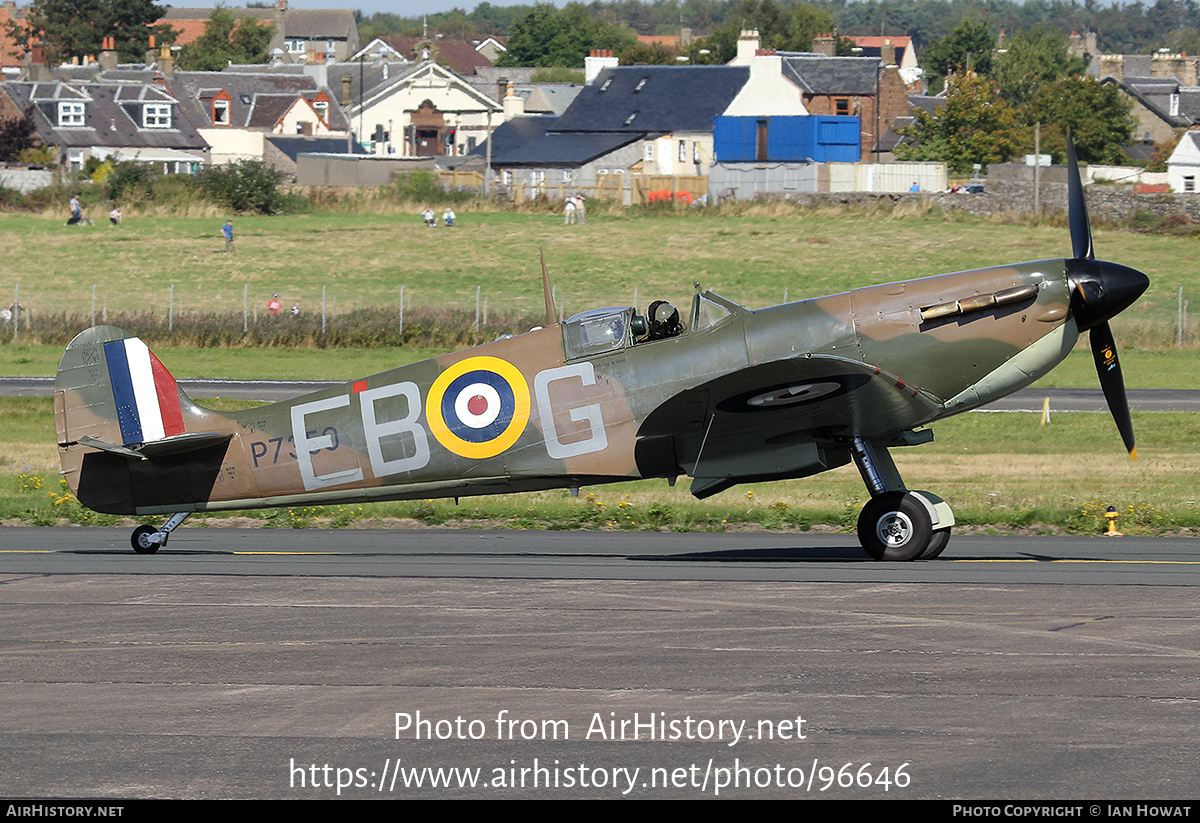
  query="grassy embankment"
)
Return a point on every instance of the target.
[{"x": 995, "y": 469}]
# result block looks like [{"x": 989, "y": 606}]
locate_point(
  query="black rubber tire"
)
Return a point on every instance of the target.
[
  {"x": 136, "y": 540},
  {"x": 894, "y": 526},
  {"x": 937, "y": 544}
]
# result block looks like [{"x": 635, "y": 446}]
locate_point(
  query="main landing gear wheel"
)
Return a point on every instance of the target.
[
  {"x": 895, "y": 526},
  {"x": 936, "y": 546},
  {"x": 140, "y": 541}
]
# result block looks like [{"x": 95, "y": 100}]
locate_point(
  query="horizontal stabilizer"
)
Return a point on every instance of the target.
[{"x": 167, "y": 447}]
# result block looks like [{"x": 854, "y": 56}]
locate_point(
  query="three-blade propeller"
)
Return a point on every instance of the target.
[{"x": 1099, "y": 290}]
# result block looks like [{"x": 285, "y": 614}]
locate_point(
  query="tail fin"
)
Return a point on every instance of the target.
[
  {"x": 112, "y": 395},
  {"x": 112, "y": 388}
]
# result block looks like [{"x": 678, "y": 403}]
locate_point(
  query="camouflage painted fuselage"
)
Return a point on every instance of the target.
[{"x": 740, "y": 396}]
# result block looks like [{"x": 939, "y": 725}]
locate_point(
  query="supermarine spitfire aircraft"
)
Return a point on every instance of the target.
[{"x": 730, "y": 395}]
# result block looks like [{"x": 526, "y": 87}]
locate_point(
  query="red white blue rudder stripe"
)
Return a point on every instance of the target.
[{"x": 144, "y": 392}]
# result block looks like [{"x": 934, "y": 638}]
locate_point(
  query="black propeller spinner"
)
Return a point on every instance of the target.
[{"x": 1099, "y": 291}]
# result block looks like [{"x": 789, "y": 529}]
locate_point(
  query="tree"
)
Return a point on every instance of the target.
[
  {"x": 547, "y": 36},
  {"x": 1034, "y": 58},
  {"x": 226, "y": 40},
  {"x": 75, "y": 28},
  {"x": 975, "y": 126},
  {"x": 967, "y": 48},
  {"x": 16, "y": 135},
  {"x": 1098, "y": 115},
  {"x": 652, "y": 54}
]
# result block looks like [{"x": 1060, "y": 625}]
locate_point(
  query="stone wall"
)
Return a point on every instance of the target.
[
  {"x": 25, "y": 180},
  {"x": 1109, "y": 202}
]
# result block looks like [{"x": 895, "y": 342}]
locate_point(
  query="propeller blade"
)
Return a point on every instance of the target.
[
  {"x": 1081, "y": 227},
  {"x": 1104, "y": 351}
]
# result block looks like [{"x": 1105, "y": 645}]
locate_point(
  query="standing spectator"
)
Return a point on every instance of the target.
[
  {"x": 580, "y": 208},
  {"x": 274, "y": 307},
  {"x": 227, "y": 230},
  {"x": 569, "y": 210}
]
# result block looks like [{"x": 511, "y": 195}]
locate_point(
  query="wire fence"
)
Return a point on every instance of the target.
[{"x": 327, "y": 316}]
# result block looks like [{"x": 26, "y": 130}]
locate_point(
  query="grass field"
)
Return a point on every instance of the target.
[
  {"x": 363, "y": 260},
  {"x": 994, "y": 468}
]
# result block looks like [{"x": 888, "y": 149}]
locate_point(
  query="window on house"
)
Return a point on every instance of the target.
[
  {"x": 841, "y": 106},
  {"x": 649, "y": 152},
  {"x": 695, "y": 152},
  {"x": 507, "y": 176},
  {"x": 71, "y": 114},
  {"x": 537, "y": 177},
  {"x": 641, "y": 83},
  {"x": 221, "y": 113},
  {"x": 156, "y": 116},
  {"x": 1189, "y": 182},
  {"x": 75, "y": 160},
  {"x": 629, "y": 119},
  {"x": 322, "y": 109},
  {"x": 607, "y": 83},
  {"x": 1174, "y": 105},
  {"x": 568, "y": 176},
  {"x": 295, "y": 45},
  {"x": 682, "y": 151}
]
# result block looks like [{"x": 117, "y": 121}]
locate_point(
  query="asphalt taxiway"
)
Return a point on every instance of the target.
[{"x": 253, "y": 663}]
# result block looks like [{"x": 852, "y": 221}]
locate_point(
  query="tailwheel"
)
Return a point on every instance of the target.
[
  {"x": 147, "y": 539},
  {"x": 896, "y": 526},
  {"x": 142, "y": 542}
]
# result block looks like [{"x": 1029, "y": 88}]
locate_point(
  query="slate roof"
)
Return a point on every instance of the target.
[
  {"x": 113, "y": 115},
  {"x": 517, "y": 132},
  {"x": 1154, "y": 93},
  {"x": 295, "y": 144},
  {"x": 833, "y": 75},
  {"x": 258, "y": 99},
  {"x": 526, "y": 142},
  {"x": 654, "y": 99}
]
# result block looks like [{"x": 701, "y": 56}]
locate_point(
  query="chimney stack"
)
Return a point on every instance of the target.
[
  {"x": 596, "y": 62},
  {"x": 887, "y": 53},
  {"x": 166, "y": 63},
  {"x": 108, "y": 54},
  {"x": 824, "y": 44}
]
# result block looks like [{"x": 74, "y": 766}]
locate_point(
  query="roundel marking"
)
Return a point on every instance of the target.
[{"x": 478, "y": 407}]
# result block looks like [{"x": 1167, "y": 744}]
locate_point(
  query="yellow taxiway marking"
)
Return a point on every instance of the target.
[{"x": 1066, "y": 560}]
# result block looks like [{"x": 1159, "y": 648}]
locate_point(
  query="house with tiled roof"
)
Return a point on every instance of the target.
[
  {"x": 234, "y": 111},
  {"x": 462, "y": 56},
  {"x": 301, "y": 35},
  {"x": 894, "y": 49},
  {"x": 652, "y": 120},
  {"x": 123, "y": 121},
  {"x": 11, "y": 54}
]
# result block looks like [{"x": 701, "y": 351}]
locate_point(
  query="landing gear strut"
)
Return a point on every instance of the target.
[
  {"x": 897, "y": 524},
  {"x": 147, "y": 539}
]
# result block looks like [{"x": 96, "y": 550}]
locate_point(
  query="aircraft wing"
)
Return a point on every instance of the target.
[{"x": 779, "y": 419}]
